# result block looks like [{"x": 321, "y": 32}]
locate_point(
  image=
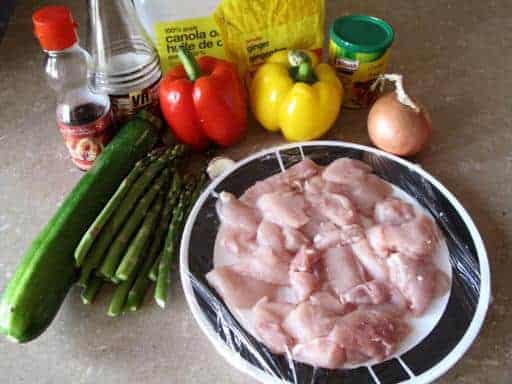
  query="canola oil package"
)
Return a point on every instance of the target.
[
  {"x": 254, "y": 29},
  {"x": 243, "y": 31},
  {"x": 174, "y": 24}
]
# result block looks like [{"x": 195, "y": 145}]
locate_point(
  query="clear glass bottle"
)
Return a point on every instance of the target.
[
  {"x": 84, "y": 117},
  {"x": 125, "y": 62}
]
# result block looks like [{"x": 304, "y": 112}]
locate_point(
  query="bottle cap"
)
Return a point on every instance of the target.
[
  {"x": 361, "y": 33},
  {"x": 54, "y": 27}
]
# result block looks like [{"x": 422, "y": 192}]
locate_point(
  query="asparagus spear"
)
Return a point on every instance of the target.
[
  {"x": 89, "y": 292},
  {"x": 142, "y": 283},
  {"x": 172, "y": 200},
  {"x": 137, "y": 245},
  {"x": 118, "y": 246},
  {"x": 137, "y": 292},
  {"x": 118, "y": 300},
  {"x": 85, "y": 244},
  {"x": 203, "y": 179},
  {"x": 169, "y": 251},
  {"x": 153, "y": 272},
  {"x": 201, "y": 182},
  {"x": 115, "y": 222}
]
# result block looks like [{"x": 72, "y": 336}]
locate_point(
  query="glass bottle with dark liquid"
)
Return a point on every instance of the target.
[{"x": 84, "y": 116}]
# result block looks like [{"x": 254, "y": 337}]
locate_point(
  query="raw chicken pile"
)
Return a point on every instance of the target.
[{"x": 326, "y": 263}]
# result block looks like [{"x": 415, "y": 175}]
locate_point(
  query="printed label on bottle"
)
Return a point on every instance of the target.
[
  {"x": 126, "y": 106},
  {"x": 85, "y": 142}
]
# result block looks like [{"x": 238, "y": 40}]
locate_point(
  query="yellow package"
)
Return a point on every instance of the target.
[
  {"x": 254, "y": 29},
  {"x": 200, "y": 36},
  {"x": 174, "y": 24}
]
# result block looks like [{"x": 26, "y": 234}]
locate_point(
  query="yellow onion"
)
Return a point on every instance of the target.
[{"x": 396, "y": 123}]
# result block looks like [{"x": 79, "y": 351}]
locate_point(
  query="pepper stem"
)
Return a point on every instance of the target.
[
  {"x": 397, "y": 80},
  {"x": 189, "y": 64},
  {"x": 302, "y": 70}
]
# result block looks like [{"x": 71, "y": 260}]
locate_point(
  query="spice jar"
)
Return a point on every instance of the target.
[{"x": 359, "y": 51}]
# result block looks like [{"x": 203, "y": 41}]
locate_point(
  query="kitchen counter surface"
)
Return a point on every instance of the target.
[{"x": 456, "y": 56}]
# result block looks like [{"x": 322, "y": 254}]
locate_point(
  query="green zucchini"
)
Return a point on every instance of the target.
[{"x": 47, "y": 271}]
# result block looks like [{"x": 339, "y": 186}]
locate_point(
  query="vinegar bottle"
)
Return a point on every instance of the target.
[
  {"x": 125, "y": 62},
  {"x": 83, "y": 116}
]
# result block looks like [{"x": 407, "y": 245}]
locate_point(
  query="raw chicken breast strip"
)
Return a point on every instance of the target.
[
  {"x": 303, "y": 170},
  {"x": 371, "y": 333},
  {"x": 307, "y": 322},
  {"x": 320, "y": 352},
  {"x": 237, "y": 214},
  {"x": 371, "y": 292},
  {"x": 393, "y": 211},
  {"x": 375, "y": 266},
  {"x": 237, "y": 242},
  {"x": 367, "y": 192},
  {"x": 294, "y": 239},
  {"x": 285, "y": 209},
  {"x": 228, "y": 282},
  {"x": 342, "y": 269},
  {"x": 417, "y": 280},
  {"x": 346, "y": 171},
  {"x": 331, "y": 236},
  {"x": 271, "y": 235},
  {"x": 305, "y": 259},
  {"x": 396, "y": 305},
  {"x": 416, "y": 238},
  {"x": 330, "y": 304},
  {"x": 338, "y": 209},
  {"x": 265, "y": 265},
  {"x": 268, "y": 317},
  {"x": 285, "y": 181},
  {"x": 304, "y": 283}
]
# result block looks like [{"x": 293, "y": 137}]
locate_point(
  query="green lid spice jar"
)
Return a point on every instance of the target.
[{"x": 359, "y": 51}]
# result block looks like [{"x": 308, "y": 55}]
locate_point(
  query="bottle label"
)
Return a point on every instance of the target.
[
  {"x": 85, "y": 142},
  {"x": 126, "y": 106}
]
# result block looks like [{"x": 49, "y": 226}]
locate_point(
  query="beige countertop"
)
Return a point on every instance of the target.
[{"x": 456, "y": 57}]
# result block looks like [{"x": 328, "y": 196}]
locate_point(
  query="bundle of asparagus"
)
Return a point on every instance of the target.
[{"x": 134, "y": 240}]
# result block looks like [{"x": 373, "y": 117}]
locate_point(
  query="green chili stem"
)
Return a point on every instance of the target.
[{"x": 189, "y": 63}]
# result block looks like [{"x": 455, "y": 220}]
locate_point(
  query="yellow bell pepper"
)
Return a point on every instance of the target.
[{"x": 293, "y": 93}]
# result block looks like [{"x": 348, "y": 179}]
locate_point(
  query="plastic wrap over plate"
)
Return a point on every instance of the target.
[{"x": 426, "y": 361}]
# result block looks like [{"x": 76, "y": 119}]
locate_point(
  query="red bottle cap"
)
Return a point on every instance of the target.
[{"x": 54, "y": 27}]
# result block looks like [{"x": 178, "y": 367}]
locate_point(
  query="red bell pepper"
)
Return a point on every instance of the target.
[{"x": 204, "y": 101}]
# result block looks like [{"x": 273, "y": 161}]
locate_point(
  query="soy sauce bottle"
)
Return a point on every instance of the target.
[{"x": 84, "y": 116}]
